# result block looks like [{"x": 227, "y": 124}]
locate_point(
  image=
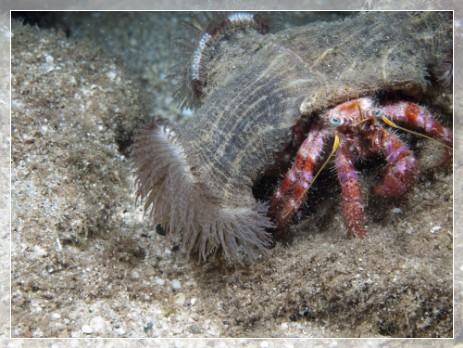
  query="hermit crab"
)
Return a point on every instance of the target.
[
  {"x": 356, "y": 127},
  {"x": 260, "y": 94}
]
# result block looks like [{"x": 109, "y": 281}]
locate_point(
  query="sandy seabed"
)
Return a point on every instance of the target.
[{"x": 86, "y": 262}]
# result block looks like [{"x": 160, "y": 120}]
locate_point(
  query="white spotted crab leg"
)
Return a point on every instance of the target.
[
  {"x": 418, "y": 117},
  {"x": 352, "y": 206},
  {"x": 293, "y": 189}
]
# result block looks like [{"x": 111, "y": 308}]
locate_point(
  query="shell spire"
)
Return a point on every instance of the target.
[{"x": 193, "y": 70}]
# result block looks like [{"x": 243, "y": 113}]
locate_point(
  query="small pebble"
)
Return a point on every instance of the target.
[
  {"x": 120, "y": 331},
  {"x": 134, "y": 274},
  {"x": 176, "y": 284},
  {"x": 49, "y": 59},
  {"x": 160, "y": 230},
  {"x": 98, "y": 325},
  {"x": 55, "y": 316},
  {"x": 87, "y": 329},
  {"x": 148, "y": 326},
  {"x": 180, "y": 298},
  {"x": 39, "y": 251},
  {"x": 159, "y": 281},
  {"x": 194, "y": 329}
]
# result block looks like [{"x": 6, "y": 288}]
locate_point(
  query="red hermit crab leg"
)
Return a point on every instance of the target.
[
  {"x": 352, "y": 207},
  {"x": 419, "y": 118},
  {"x": 293, "y": 189},
  {"x": 402, "y": 167}
]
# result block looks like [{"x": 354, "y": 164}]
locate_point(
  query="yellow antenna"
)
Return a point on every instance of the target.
[
  {"x": 392, "y": 124},
  {"x": 360, "y": 111},
  {"x": 333, "y": 150}
]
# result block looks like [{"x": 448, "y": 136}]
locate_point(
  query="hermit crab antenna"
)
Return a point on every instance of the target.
[
  {"x": 360, "y": 112},
  {"x": 394, "y": 125},
  {"x": 333, "y": 151}
]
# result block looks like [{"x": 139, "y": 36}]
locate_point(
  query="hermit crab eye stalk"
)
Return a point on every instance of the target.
[
  {"x": 378, "y": 113},
  {"x": 335, "y": 121}
]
